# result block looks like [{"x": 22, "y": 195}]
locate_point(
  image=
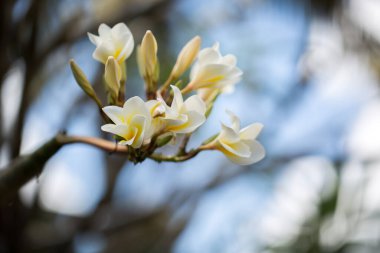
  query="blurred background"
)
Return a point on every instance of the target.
[{"x": 311, "y": 76}]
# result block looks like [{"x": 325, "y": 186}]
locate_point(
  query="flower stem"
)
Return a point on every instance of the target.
[
  {"x": 164, "y": 88},
  {"x": 182, "y": 147},
  {"x": 187, "y": 89},
  {"x": 185, "y": 157}
]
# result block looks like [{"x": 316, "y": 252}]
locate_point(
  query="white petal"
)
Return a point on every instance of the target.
[
  {"x": 208, "y": 56},
  {"x": 194, "y": 120},
  {"x": 138, "y": 122},
  {"x": 120, "y": 130},
  {"x": 155, "y": 107},
  {"x": 228, "y": 135},
  {"x": 205, "y": 56},
  {"x": 235, "y": 73},
  {"x": 156, "y": 126},
  {"x": 210, "y": 76},
  {"x": 120, "y": 31},
  {"x": 195, "y": 103},
  {"x": 104, "y": 31},
  {"x": 123, "y": 40},
  {"x": 102, "y": 51},
  {"x": 257, "y": 152},
  {"x": 130, "y": 136},
  {"x": 126, "y": 50},
  {"x": 94, "y": 39},
  {"x": 216, "y": 46},
  {"x": 235, "y": 121},
  {"x": 126, "y": 143},
  {"x": 115, "y": 113},
  {"x": 229, "y": 59},
  {"x": 173, "y": 120},
  {"x": 228, "y": 84},
  {"x": 239, "y": 149},
  {"x": 251, "y": 132},
  {"x": 228, "y": 89},
  {"x": 177, "y": 99},
  {"x": 133, "y": 106}
]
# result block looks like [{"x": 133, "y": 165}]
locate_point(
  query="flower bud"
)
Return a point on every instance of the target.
[
  {"x": 147, "y": 57},
  {"x": 164, "y": 139},
  {"x": 112, "y": 76},
  {"x": 82, "y": 81},
  {"x": 186, "y": 57}
]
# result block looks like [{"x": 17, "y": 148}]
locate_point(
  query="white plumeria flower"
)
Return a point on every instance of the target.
[
  {"x": 214, "y": 71},
  {"x": 132, "y": 122},
  {"x": 240, "y": 145},
  {"x": 183, "y": 116},
  {"x": 116, "y": 41}
]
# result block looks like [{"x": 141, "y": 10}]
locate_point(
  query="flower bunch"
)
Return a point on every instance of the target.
[{"x": 173, "y": 110}]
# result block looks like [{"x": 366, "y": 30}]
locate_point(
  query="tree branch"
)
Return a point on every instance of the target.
[{"x": 25, "y": 167}]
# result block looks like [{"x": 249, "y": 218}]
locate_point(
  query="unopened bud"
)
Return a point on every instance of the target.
[
  {"x": 82, "y": 80},
  {"x": 164, "y": 139},
  {"x": 186, "y": 57},
  {"x": 147, "y": 57},
  {"x": 112, "y": 76}
]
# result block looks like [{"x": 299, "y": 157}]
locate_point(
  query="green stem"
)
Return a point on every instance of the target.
[
  {"x": 123, "y": 81},
  {"x": 182, "y": 147},
  {"x": 192, "y": 153},
  {"x": 163, "y": 90}
]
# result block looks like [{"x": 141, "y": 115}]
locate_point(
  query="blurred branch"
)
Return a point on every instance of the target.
[
  {"x": 26, "y": 167},
  {"x": 31, "y": 68}
]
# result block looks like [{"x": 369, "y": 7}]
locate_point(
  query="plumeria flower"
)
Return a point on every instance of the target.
[
  {"x": 240, "y": 145},
  {"x": 214, "y": 71},
  {"x": 116, "y": 41},
  {"x": 132, "y": 122},
  {"x": 183, "y": 116}
]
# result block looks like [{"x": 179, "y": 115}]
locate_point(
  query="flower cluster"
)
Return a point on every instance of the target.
[{"x": 169, "y": 114}]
